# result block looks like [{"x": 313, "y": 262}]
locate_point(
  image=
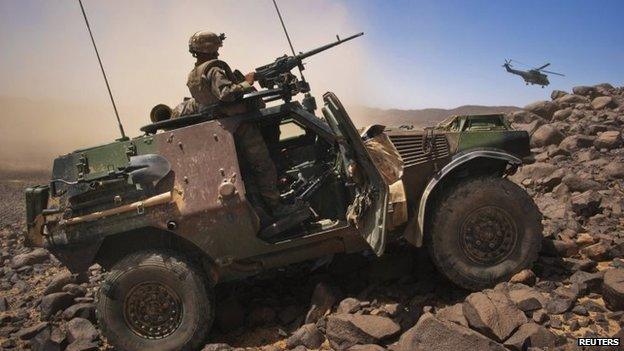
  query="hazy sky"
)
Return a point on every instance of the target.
[{"x": 414, "y": 54}]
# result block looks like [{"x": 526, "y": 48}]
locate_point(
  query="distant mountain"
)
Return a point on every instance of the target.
[{"x": 363, "y": 116}]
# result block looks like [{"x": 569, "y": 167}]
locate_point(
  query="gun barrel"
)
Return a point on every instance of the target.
[{"x": 307, "y": 54}]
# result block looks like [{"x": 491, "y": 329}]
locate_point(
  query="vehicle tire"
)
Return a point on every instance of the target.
[
  {"x": 155, "y": 300},
  {"x": 483, "y": 231}
]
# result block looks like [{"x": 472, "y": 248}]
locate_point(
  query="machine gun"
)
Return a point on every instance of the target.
[{"x": 281, "y": 83}]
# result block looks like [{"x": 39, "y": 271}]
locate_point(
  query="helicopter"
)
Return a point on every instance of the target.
[{"x": 532, "y": 76}]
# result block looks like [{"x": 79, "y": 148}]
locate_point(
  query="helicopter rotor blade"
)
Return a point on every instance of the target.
[
  {"x": 542, "y": 67},
  {"x": 549, "y": 72}
]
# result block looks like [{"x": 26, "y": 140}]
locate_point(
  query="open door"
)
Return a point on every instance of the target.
[{"x": 371, "y": 198}]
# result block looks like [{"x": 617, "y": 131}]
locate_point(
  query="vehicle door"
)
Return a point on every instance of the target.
[{"x": 371, "y": 192}]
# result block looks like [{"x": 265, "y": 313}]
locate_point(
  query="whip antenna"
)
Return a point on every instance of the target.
[
  {"x": 110, "y": 94},
  {"x": 287, "y": 36}
]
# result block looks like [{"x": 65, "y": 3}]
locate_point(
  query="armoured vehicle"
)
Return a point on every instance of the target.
[{"x": 172, "y": 213}]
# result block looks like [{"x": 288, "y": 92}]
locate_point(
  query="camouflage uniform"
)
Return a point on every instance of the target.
[{"x": 212, "y": 83}]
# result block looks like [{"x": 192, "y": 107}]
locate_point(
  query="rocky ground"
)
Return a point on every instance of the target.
[{"x": 398, "y": 302}]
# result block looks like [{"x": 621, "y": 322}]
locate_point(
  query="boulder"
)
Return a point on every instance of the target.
[
  {"x": 596, "y": 252},
  {"x": 555, "y": 94},
  {"x": 614, "y": 170},
  {"x": 36, "y": 256},
  {"x": 323, "y": 299},
  {"x": 608, "y": 140},
  {"x": 308, "y": 335},
  {"x": 572, "y": 99},
  {"x": 434, "y": 334},
  {"x": 578, "y": 141},
  {"x": 454, "y": 313},
  {"x": 575, "y": 182},
  {"x": 58, "y": 282},
  {"x": 525, "y": 276},
  {"x": 524, "y": 117},
  {"x": 559, "y": 304},
  {"x": 562, "y": 115},
  {"x": 587, "y": 281},
  {"x": 493, "y": 314},
  {"x": 546, "y": 135},
  {"x": 346, "y": 330},
  {"x": 348, "y": 305},
  {"x": 531, "y": 335},
  {"x": 83, "y": 345},
  {"x": 544, "y": 109},
  {"x": 526, "y": 299},
  {"x": 84, "y": 310},
  {"x": 50, "y": 304},
  {"x": 584, "y": 90},
  {"x": 28, "y": 332},
  {"x": 81, "y": 329},
  {"x": 613, "y": 289},
  {"x": 586, "y": 204},
  {"x": 49, "y": 339},
  {"x": 602, "y": 102},
  {"x": 533, "y": 171}
]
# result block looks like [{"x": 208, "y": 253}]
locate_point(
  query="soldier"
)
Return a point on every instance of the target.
[{"x": 214, "y": 86}]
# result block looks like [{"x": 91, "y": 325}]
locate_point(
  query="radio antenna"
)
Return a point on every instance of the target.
[
  {"x": 110, "y": 94},
  {"x": 287, "y": 37}
]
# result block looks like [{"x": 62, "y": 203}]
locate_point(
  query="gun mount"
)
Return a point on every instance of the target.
[{"x": 280, "y": 83}]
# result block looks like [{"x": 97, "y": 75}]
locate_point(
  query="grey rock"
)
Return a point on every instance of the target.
[
  {"x": 544, "y": 109},
  {"x": 81, "y": 329},
  {"x": 613, "y": 289},
  {"x": 493, "y": 314},
  {"x": 558, "y": 304},
  {"x": 454, "y": 313},
  {"x": 531, "y": 335},
  {"x": 348, "y": 305},
  {"x": 36, "y": 256},
  {"x": 58, "y": 282},
  {"x": 577, "y": 183},
  {"x": 614, "y": 170},
  {"x": 546, "y": 135},
  {"x": 434, "y": 334},
  {"x": 50, "y": 304},
  {"x": 84, "y": 310},
  {"x": 584, "y": 90},
  {"x": 602, "y": 102},
  {"x": 346, "y": 330},
  {"x": 82, "y": 345},
  {"x": 586, "y": 204},
  {"x": 308, "y": 335},
  {"x": 527, "y": 299},
  {"x": 29, "y": 332},
  {"x": 608, "y": 140}
]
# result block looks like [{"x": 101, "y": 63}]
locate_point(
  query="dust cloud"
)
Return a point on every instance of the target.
[{"x": 52, "y": 96}]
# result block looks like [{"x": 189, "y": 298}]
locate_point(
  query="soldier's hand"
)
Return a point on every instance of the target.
[{"x": 250, "y": 77}]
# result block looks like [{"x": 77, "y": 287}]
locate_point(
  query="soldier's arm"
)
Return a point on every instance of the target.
[{"x": 223, "y": 88}]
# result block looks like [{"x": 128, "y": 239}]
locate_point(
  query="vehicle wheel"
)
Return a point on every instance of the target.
[
  {"x": 154, "y": 300},
  {"x": 483, "y": 231}
]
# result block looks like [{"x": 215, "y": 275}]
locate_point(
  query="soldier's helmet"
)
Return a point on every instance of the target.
[{"x": 205, "y": 42}]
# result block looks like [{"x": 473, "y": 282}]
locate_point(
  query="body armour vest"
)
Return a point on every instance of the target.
[{"x": 200, "y": 88}]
